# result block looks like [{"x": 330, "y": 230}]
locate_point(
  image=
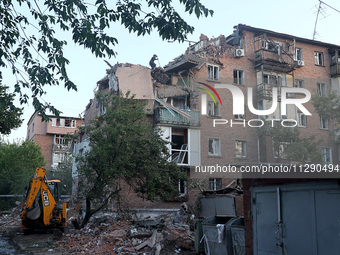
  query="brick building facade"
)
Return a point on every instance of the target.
[
  {"x": 50, "y": 136},
  {"x": 183, "y": 103}
]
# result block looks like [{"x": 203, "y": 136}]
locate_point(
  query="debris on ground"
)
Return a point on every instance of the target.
[{"x": 165, "y": 234}]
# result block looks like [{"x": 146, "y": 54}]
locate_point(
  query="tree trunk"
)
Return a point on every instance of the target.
[{"x": 88, "y": 212}]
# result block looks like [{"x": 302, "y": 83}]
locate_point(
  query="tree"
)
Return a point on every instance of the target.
[
  {"x": 288, "y": 144},
  {"x": 18, "y": 162},
  {"x": 9, "y": 113},
  {"x": 125, "y": 150},
  {"x": 329, "y": 108},
  {"x": 29, "y": 33}
]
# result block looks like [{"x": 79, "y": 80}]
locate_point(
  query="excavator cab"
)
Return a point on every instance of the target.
[{"x": 54, "y": 186}]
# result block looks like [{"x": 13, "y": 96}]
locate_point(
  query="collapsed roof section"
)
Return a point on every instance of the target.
[
  {"x": 183, "y": 62},
  {"x": 128, "y": 77}
]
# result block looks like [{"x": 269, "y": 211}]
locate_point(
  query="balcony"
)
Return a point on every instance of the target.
[
  {"x": 335, "y": 70},
  {"x": 168, "y": 116},
  {"x": 265, "y": 91},
  {"x": 272, "y": 60}
]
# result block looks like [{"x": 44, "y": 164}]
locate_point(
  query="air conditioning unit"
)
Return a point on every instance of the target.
[
  {"x": 238, "y": 53},
  {"x": 300, "y": 63}
]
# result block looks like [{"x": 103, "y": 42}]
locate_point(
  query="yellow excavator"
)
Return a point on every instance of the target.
[{"x": 42, "y": 208}]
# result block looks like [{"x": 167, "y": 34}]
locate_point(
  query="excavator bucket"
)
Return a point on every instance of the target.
[{"x": 34, "y": 212}]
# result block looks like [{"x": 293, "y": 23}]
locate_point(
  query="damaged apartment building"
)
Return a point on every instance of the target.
[
  {"x": 189, "y": 96},
  {"x": 172, "y": 108},
  {"x": 287, "y": 215}
]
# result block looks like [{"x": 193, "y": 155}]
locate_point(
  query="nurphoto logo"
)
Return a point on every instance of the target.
[{"x": 238, "y": 100}]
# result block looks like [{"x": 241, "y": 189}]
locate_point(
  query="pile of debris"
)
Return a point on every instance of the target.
[{"x": 165, "y": 234}]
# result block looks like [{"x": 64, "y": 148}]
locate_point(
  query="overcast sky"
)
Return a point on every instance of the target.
[{"x": 289, "y": 16}]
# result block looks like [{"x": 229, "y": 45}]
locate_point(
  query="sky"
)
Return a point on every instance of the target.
[{"x": 292, "y": 17}]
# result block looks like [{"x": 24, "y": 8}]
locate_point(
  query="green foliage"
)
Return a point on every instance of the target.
[
  {"x": 18, "y": 162},
  {"x": 289, "y": 145},
  {"x": 30, "y": 47},
  {"x": 9, "y": 113},
  {"x": 126, "y": 148}
]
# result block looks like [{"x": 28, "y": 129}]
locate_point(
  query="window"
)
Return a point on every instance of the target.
[
  {"x": 279, "y": 150},
  {"x": 318, "y": 58},
  {"x": 61, "y": 142},
  {"x": 322, "y": 89},
  {"x": 70, "y": 123},
  {"x": 59, "y": 158},
  {"x": 215, "y": 183},
  {"x": 239, "y": 77},
  {"x": 271, "y": 79},
  {"x": 182, "y": 188},
  {"x": 302, "y": 120},
  {"x": 241, "y": 149},
  {"x": 324, "y": 123},
  {"x": 213, "y": 73},
  {"x": 58, "y": 123},
  {"x": 213, "y": 109},
  {"x": 214, "y": 147},
  {"x": 299, "y": 83},
  {"x": 239, "y": 117},
  {"x": 327, "y": 155},
  {"x": 298, "y": 54}
]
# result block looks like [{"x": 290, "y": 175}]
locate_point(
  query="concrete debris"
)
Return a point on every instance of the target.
[{"x": 164, "y": 234}]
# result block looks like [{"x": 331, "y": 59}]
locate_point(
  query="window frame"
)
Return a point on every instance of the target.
[
  {"x": 298, "y": 54},
  {"x": 322, "y": 89},
  {"x": 214, "y": 108},
  {"x": 319, "y": 58},
  {"x": 299, "y": 83},
  {"x": 302, "y": 116},
  {"x": 244, "y": 149},
  {"x": 323, "y": 122},
  {"x": 214, "y": 153},
  {"x": 240, "y": 76},
  {"x": 215, "y": 183},
  {"x": 324, "y": 154},
  {"x": 213, "y": 72}
]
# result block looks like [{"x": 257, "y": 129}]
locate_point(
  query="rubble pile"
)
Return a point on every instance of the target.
[{"x": 164, "y": 234}]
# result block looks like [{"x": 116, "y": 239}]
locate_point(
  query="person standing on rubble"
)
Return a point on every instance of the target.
[{"x": 152, "y": 61}]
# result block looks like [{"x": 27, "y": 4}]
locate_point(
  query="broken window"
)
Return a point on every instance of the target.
[
  {"x": 324, "y": 123},
  {"x": 179, "y": 102},
  {"x": 239, "y": 77},
  {"x": 241, "y": 149},
  {"x": 215, "y": 183},
  {"x": 298, "y": 54},
  {"x": 213, "y": 73},
  {"x": 214, "y": 147},
  {"x": 213, "y": 108},
  {"x": 322, "y": 89},
  {"x": 318, "y": 58},
  {"x": 61, "y": 142},
  {"x": 70, "y": 123},
  {"x": 179, "y": 145},
  {"x": 327, "y": 155}
]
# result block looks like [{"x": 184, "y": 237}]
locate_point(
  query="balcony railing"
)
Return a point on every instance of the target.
[
  {"x": 273, "y": 61},
  {"x": 168, "y": 116}
]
